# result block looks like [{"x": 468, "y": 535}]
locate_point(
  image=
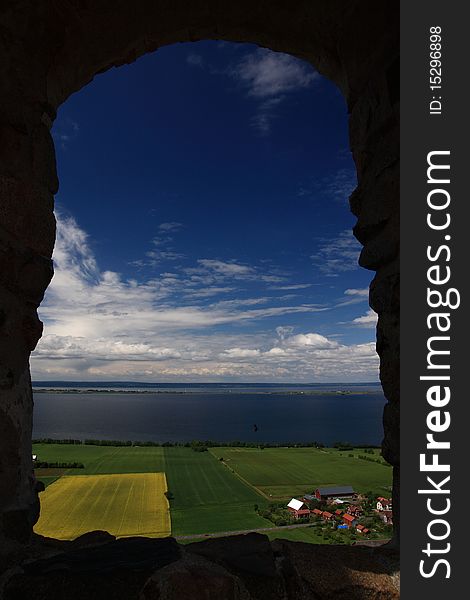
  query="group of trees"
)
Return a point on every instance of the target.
[
  {"x": 344, "y": 446},
  {"x": 191, "y": 444},
  {"x": 43, "y": 464}
]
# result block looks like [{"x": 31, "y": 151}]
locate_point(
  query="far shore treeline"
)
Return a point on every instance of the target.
[{"x": 203, "y": 444}]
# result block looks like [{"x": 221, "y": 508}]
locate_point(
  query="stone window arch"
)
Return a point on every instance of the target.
[{"x": 50, "y": 50}]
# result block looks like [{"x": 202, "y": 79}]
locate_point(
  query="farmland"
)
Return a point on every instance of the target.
[
  {"x": 206, "y": 494},
  {"x": 281, "y": 473},
  {"x": 124, "y": 505}
]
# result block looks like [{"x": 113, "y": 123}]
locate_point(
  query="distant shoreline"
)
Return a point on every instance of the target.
[{"x": 202, "y": 391}]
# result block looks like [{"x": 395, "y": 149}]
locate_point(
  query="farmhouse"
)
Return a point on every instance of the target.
[
  {"x": 349, "y": 520},
  {"x": 384, "y": 503},
  {"x": 330, "y": 493},
  {"x": 317, "y": 512},
  {"x": 355, "y": 511},
  {"x": 327, "y": 515},
  {"x": 362, "y": 529},
  {"x": 298, "y": 508}
]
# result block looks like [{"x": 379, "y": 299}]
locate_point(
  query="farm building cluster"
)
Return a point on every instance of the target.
[{"x": 346, "y": 517}]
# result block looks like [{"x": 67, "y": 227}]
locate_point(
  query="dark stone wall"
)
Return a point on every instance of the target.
[{"x": 51, "y": 49}]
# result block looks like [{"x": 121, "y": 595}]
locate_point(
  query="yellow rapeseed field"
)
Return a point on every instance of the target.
[{"x": 125, "y": 505}]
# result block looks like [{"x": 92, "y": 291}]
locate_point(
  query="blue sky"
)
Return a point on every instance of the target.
[{"x": 204, "y": 232}]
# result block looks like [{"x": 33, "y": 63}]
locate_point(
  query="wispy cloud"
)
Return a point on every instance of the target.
[
  {"x": 362, "y": 293},
  {"x": 293, "y": 286},
  {"x": 266, "y": 74},
  {"x": 337, "y": 186},
  {"x": 161, "y": 247},
  {"x": 270, "y": 77},
  {"x": 367, "y": 320},
  {"x": 64, "y": 131},
  {"x": 171, "y": 226},
  {"x": 195, "y": 60},
  {"x": 338, "y": 255},
  {"x": 229, "y": 269}
]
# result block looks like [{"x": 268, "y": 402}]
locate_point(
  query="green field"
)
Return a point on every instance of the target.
[
  {"x": 104, "y": 459},
  {"x": 303, "y": 534},
  {"x": 123, "y": 504},
  {"x": 281, "y": 473},
  {"x": 208, "y": 495}
]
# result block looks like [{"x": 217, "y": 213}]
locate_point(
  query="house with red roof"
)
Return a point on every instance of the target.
[
  {"x": 384, "y": 503},
  {"x": 355, "y": 510},
  {"x": 298, "y": 508},
  {"x": 349, "y": 520}
]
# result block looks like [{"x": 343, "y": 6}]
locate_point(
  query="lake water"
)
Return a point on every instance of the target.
[{"x": 325, "y": 413}]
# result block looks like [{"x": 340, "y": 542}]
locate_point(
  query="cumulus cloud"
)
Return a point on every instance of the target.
[{"x": 313, "y": 340}]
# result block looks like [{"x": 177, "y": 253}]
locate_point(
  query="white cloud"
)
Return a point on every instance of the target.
[
  {"x": 313, "y": 340},
  {"x": 337, "y": 186},
  {"x": 157, "y": 256},
  {"x": 269, "y": 77},
  {"x": 294, "y": 286},
  {"x": 229, "y": 269},
  {"x": 362, "y": 293},
  {"x": 354, "y": 296},
  {"x": 241, "y": 353},
  {"x": 171, "y": 226},
  {"x": 265, "y": 73},
  {"x": 99, "y": 325},
  {"x": 338, "y": 255},
  {"x": 367, "y": 320}
]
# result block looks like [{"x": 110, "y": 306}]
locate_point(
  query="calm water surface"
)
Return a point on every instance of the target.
[{"x": 215, "y": 412}]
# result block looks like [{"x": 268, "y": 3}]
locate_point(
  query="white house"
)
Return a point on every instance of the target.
[
  {"x": 298, "y": 508},
  {"x": 384, "y": 504}
]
